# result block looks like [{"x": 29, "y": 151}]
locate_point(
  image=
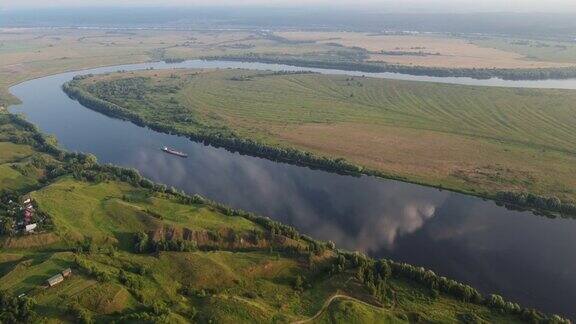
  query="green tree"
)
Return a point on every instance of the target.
[{"x": 7, "y": 226}]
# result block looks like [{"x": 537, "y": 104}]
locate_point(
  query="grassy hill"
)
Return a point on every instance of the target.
[
  {"x": 140, "y": 252},
  {"x": 478, "y": 140}
]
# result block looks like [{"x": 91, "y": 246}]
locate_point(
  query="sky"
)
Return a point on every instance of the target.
[{"x": 389, "y": 5}]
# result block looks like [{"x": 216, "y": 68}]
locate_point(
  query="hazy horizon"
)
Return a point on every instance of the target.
[{"x": 435, "y": 6}]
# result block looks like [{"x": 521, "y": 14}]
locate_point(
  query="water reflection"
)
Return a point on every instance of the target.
[
  {"x": 526, "y": 258},
  {"x": 363, "y": 214}
]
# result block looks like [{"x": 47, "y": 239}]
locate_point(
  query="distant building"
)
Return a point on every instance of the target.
[
  {"x": 67, "y": 272},
  {"x": 30, "y": 228},
  {"x": 53, "y": 281}
]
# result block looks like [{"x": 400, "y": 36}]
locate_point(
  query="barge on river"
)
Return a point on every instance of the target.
[{"x": 174, "y": 152}]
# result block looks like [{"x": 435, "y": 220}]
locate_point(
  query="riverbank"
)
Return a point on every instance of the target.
[
  {"x": 491, "y": 173},
  {"x": 122, "y": 234},
  {"x": 517, "y": 74}
]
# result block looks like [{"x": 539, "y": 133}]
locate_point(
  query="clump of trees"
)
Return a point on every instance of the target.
[
  {"x": 144, "y": 244},
  {"x": 81, "y": 314},
  {"x": 16, "y": 309},
  {"x": 92, "y": 270},
  {"x": 374, "y": 274},
  {"x": 172, "y": 60},
  {"x": 523, "y": 199},
  {"x": 129, "y": 88}
]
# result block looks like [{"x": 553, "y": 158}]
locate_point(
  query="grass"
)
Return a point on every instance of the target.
[
  {"x": 472, "y": 139},
  {"x": 16, "y": 173},
  {"x": 10, "y": 152},
  {"x": 32, "y": 273},
  {"x": 100, "y": 212},
  {"x": 346, "y": 311},
  {"x": 12, "y": 179}
]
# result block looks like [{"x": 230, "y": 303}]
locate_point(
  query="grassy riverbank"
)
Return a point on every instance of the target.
[
  {"x": 479, "y": 140},
  {"x": 142, "y": 252}
]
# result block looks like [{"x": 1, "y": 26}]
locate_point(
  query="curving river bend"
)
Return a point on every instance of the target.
[{"x": 526, "y": 258}]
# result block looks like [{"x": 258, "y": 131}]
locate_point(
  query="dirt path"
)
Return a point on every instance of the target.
[{"x": 328, "y": 302}]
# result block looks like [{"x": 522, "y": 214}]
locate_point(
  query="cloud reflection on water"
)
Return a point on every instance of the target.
[{"x": 363, "y": 214}]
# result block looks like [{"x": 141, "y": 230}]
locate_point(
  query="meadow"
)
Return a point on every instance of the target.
[
  {"x": 435, "y": 50},
  {"x": 27, "y": 53},
  {"x": 478, "y": 140},
  {"x": 140, "y": 252}
]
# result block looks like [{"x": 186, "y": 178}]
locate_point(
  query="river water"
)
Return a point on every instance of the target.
[{"x": 526, "y": 258}]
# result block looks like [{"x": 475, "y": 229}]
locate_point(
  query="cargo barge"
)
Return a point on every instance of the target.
[{"x": 174, "y": 152}]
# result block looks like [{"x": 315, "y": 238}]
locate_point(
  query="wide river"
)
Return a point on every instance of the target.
[{"x": 526, "y": 258}]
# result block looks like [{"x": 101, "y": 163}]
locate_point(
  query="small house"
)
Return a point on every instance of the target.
[
  {"x": 30, "y": 228},
  {"x": 66, "y": 272},
  {"x": 26, "y": 200},
  {"x": 27, "y": 216},
  {"x": 53, "y": 281}
]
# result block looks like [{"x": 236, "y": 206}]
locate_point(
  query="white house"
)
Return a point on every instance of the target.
[{"x": 30, "y": 228}]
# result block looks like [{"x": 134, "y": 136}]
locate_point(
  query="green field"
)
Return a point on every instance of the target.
[
  {"x": 200, "y": 262},
  {"x": 473, "y": 139}
]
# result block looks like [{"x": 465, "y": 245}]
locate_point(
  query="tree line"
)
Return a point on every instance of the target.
[
  {"x": 380, "y": 67},
  {"x": 16, "y": 309},
  {"x": 541, "y": 203},
  {"x": 375, "y": 275}
]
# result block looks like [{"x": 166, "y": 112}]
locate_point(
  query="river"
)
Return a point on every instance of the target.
[{"x": 526, "y": 258}]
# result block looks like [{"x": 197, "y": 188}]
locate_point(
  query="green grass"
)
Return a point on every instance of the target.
[
  {"x": 98, "y": 211},
  {"x": 10, "y": 152},
  {"x": 14, "y": 180},
  {"x": 472, "y": 139},
  {"x": 33, "y": 272},
  {"x": 16, "y": 173},
  {"x": 346, "y": 311}
]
